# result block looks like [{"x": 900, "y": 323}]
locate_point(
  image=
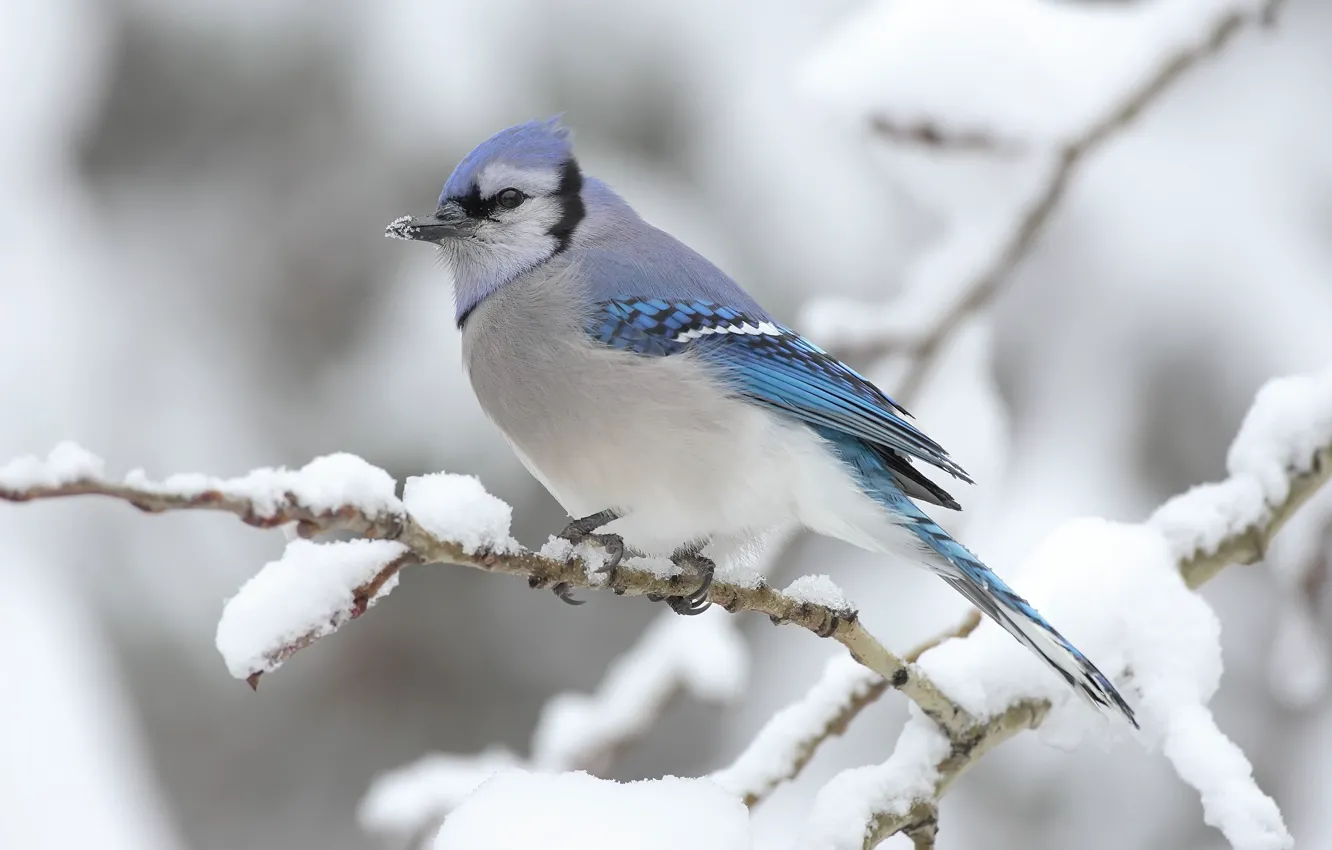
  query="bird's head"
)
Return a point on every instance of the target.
[{"x": 510, "y": 205}]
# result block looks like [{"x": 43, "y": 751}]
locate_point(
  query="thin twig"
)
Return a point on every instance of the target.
[
  {"x": 928, "y": 135},
  {"x": 1251, "y": 546},
  {"x": 923, "y": 349}
]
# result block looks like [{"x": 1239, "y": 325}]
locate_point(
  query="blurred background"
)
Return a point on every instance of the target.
[{"x": 193, "y": 278}]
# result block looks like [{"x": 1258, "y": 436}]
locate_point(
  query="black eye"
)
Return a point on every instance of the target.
[{"x": 510, "y": 198}]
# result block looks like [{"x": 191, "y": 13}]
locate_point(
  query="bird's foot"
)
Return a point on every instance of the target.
[
  {"x": 583, "y": 531},
  {"x": 696, "y": 602},
  {"x": 565, "y": 593},
  {"x": 560, "y": 589}
]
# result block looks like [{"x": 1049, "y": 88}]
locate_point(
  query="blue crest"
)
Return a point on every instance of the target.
[{"x": 536, "y": 144}]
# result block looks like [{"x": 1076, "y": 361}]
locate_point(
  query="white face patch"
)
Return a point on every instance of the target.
[
  {"x": 532, "y": 182},
  {"x": 497, "y": 251},
  {"x": 746, "y": 328}
]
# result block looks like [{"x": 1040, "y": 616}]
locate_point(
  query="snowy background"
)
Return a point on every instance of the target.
[{"x": 193, "y": 277}]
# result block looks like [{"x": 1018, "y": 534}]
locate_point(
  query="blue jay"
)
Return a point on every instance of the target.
[{"x": 648, "y": 392}]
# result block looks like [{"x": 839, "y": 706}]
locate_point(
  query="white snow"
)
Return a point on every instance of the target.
[
  {"x": 307, "y": 593},
  {"x": 67, "y": 463},
  {"x": 818, "y": 590},
  {"x": 325, "y": 484},
  {"x": 845, "y": 807},
  {"x": 1115, "y": 591},
  {"x": 1016, "y": 70},
  {"x": 332, "y": 481},
  {"x": 397, "y": 229},
  {"x": 458, "y": 508},
  {"x": 1290, "y": 420},
  {"x": 400, "y": 802},
  {"x": 1209, "y": 761},
  {"x": 593, "y": 557},
  {"x": 557, "y": 549},
  {"x": 659, "y": 567},
  {"x": 576, "y": 811},
  {"x": 772, "y": 755},
  {"x": 704, "y": 656}
]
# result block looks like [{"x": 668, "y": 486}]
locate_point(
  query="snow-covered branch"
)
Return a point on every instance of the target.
[
  {"x": 317, "y": 587},
  {"x": 792, "y": 737},
  {"x": 1280, "y": 458},
  {"x": 1248, "y": 523},
  {"x": 1124, "y": 590},
  {"x": 974, "y": 262}
]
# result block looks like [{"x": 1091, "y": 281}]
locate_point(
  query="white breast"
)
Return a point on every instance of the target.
[{"x": 659, "y": 439}]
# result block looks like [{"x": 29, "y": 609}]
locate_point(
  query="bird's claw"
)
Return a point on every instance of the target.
[
  {"x": 613, "y": 547},
  {"x": 565, "y": 593},
  {"x": 583, "y": 531},
  {"x": 697, "y": 601}
]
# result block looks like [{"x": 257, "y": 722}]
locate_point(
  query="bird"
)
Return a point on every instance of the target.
[{"x": 659, "y": 403}]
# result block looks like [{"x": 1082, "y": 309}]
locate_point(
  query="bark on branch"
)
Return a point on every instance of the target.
[{"x": 423, "y": 547}]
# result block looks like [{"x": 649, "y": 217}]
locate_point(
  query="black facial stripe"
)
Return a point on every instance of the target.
[
  {"x": 476, "y": 206},
  {"x": 570, "y": 195}
]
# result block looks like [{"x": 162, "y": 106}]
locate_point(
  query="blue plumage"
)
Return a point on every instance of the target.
[
  {"x": 782, "y": 370},
  {"x": 975, "y": 581},
  {"x": 536, "y": 144},
  {"x": 773, "y": 365},
  {"x": 627, "y": 369}
]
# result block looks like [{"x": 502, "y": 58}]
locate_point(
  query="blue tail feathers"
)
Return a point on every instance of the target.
[
  {"x": 1002, "y": 604},
  {"x": 952, "y": 562}
]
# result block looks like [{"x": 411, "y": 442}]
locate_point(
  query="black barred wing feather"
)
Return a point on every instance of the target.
[{"x": 771, "y": 364}]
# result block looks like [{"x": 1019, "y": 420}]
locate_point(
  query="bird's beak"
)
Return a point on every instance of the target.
[{"x": 446, "y": 222}]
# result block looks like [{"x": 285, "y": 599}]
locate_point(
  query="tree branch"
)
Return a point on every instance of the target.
[
  {"x": 923, "y": 347},
  {"x": 792, "y": 737},
  {"x": 965, "y": 753},
  {"x": 1245, "y": 546},
  {"x": 390, "y": 520},
  {"x": 359, "y": 499},
  {"x": 1251, "y": 546}
]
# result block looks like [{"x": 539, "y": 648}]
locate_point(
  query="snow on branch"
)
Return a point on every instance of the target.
[
  {"x": 791, "y": 738},
  {"x": 441, "y": 519},
  {"x": 973, "y": 262},
  {"x": 409, "y": 803},
  {"x": 1125, "y": 592},
  {"x": 706, "y": 658},
  {"x": 703, "y": 656},
  {"x": 1281, "y": 456},
  {"x": 575, "y": 810}
]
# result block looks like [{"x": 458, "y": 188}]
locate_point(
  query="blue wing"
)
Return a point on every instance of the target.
[{"x": 775, "y": 367}]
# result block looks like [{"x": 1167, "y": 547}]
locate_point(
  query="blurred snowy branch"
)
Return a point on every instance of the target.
[
  {"x": 969, "y": 267},
  {"x": 793, "y": 736},
  {"x": 703, "y": 656},
  {"x": 706, "y": 658}
]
